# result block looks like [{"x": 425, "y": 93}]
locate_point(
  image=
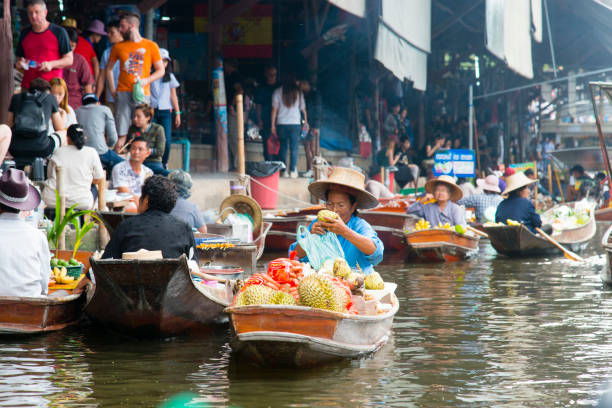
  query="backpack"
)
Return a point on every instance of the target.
[{"x": 30, "y": 121}]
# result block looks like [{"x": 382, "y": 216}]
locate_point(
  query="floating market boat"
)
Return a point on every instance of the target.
[
  {"x": 517, "y": 240},
  {"x": 301, "y": 336},
  {"x": 284, "y": 228},
  {"x": 390, "y": 226},
  {"x": 575, "y": 236},
  {"x": 606, "y": 243},
  {"x": 440, "y": 245},
  {"x": 35, "y": 315},
  {"x": 153, "y": 298}
]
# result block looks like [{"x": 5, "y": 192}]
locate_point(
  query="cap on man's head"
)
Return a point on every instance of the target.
[
  {"x": 164, "y": 54},
  {"x": 89, "y": 98}
]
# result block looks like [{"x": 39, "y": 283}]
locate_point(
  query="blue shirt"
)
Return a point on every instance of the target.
[
  {"x": 160, "y": 93},
  {"x": 352, "y": 254},
  {"x": 518, "y": 209},
  {"x": 481, "y": 202},
  {"x": 103, "y": 62}
]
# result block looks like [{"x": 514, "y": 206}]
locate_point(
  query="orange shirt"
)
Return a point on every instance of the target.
[{"x": 135, "y": 60}]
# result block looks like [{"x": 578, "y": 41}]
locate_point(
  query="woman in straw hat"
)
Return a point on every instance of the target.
[
  {"x": 344, "y": 194},
  {"x": 443, "y": 210},
  {"x": 517, "y": 206}
]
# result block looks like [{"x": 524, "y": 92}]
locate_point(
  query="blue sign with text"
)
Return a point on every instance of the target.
[{"x": 455, "y": 162}]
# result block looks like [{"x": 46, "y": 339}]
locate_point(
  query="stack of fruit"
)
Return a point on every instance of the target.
[
  {"x": 422, "y": 225},
  {"x": 59, "y": 271}
]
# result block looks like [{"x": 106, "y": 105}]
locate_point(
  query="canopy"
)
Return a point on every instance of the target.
[{"x": 356, "y": 7}]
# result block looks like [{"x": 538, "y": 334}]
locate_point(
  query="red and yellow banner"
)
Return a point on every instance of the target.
[{"x": 248, "y": 36}]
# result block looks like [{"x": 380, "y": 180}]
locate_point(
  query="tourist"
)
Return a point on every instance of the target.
[
  {"x": 114, "y": 37},
  {"x": 130, "y": 175},
  {"x": 137, "y": 57},
  {"x": 184, "y": 209},
  {"x": 391, "y": 125},
  {"x": 24, "y": 270},
  {"x": 314, "y": 108},
  {"x": 165, "y": 102},
  {"x": 154, "y": 229},
  {"x": 467, "y": 186},
  {"x": 59, "y": 89},
  {"x": 580, "y": 185},
  {"x": 100, "y": 131},
  {"x": 81, "y": 168},
  {"x": 517, "y": 207},
  {"x": 405, "y": 129},
  {"x": 386, "y": 156},
  {"x": 344, "y": 194},
  {"x": 93, "y": 35},
  {"x": 485, "y": 203},
  {"x": 444, "y": 210},
  {"x": 43, "y": 49},
  {"x": 407, "y": 171},
  {"x": 263, "y": 108},
  {"x": 153, "y": 133},
  {"x": 78, "y": 76},
  {"x": 29, "y": 116},
  {"x": 287, "y": 103}
]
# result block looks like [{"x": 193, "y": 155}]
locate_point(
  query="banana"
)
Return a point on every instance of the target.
[
  {"x": 512, "y": 222},
  {"x": 422, "y": 225}
]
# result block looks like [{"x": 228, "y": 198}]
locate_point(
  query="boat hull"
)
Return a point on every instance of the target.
[
  {"x": 390, "y": 227},
  {"x": 577, "y": 239},
  {"x": 440, "y": 245},
  {"x": 517, "y": 240},
  {"x": 22, "y": 315},
  {"x": 283, "y": 232}
]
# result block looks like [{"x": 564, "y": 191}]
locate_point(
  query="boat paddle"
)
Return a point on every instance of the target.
[
  {"x": 477, "y": 232},
  {"x": 568, "y": 254}
]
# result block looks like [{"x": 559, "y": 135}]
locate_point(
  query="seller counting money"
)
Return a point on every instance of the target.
[{"x": 344, "y": 194}]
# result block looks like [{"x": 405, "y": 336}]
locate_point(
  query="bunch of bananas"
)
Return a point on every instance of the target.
[
  {"x": 422, "y": 225},
  {"x": 444, "y": 226},
  {"x": 60, "y": 274},
  {"x": 512, "y": 222}
]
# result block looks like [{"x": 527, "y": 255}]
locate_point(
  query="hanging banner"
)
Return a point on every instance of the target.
[
  {"x": 455, "y": 162},
  {"x": 524, "y": 166}
]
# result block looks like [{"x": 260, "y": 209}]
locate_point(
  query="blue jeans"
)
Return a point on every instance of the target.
[
  {"x": 289, "y": 135},
  {"x": 157, "y": 167},
  {"x": 110, "y": 158},
  {"x": 164, "y": 118}
]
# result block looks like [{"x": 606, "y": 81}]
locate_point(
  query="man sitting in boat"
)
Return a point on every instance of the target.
[
  {"x": 517, "y": 206},
  {"x": 154, "y": 228},
  {"x": 24, "y": 270},
  {"x": 582, "y": 185},
  {"x": 444, "y": 210},
  {"x": 485, "y": 204},
  {"x": 344, "y": 193}
]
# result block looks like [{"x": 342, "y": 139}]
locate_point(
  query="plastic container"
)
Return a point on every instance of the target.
[
  {"x": 74, "y": 271},
  {"x": 267, "y": 198}
]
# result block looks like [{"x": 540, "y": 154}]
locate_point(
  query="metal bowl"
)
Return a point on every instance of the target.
[{"x": 223, "y": 271}]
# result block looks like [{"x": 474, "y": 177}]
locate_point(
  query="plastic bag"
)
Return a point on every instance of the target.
[
  {"x": 138, "y": 93},
  {"x": 319, "y": 248},
  {"x": 242, "y": 226}
]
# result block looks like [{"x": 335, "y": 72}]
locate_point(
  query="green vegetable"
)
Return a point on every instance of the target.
[
  {"x": 61, "y": 262},
  {"x": 459, "y": 229},
  {"x": 73, "y": 262},
  {"x": 53, "y": 262}
]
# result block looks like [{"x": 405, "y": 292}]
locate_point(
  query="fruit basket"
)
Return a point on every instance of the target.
[{"x": 74, "y": 270}]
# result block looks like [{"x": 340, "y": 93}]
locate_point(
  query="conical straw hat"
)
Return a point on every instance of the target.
[
  {"x": 348, "y": 181},
  {"x": 516, "y": 181},
  {"x": 455, "y": 191}
]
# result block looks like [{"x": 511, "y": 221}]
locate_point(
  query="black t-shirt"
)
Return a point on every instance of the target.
[
  {"x": 26, "y": 144},
  {"x": 263, "y": 97}
]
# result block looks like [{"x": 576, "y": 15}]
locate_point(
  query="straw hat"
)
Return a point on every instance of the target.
[
  {"x": 143, "y": 255},
  {"x": 243, "y": 205},
  {"x": 348, "y": 181},
  {"x": 455, "y": 190},
  {"x": 490, "y": 183},
  {"x": 516, "y": 181}
]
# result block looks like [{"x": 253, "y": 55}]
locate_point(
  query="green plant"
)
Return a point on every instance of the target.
[{"x": 71, "y": 217}]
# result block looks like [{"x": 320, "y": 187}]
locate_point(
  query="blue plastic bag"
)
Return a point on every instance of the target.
[{"x": 319, "y": 248}]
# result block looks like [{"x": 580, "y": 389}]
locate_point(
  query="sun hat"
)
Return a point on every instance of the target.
[
  {"x": 17, "y": 192},
  {"x": 183, "y": 182},
  {"x": 69, "y": 23},
  {"x": 345, "y": 180},
  {"x": 164, "y": 54},
  {"x": 489, "y": 183},
  {"x": 509, "y": 171},
  {"x": 242, "y": 204},
  {"x": 96, "y": 27},
  {"x": 456, "y": 192},
  {"x": 516, "y": 181}
]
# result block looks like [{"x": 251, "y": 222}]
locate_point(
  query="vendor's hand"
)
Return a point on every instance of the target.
[
  {"x": 336, "y": 226},
  {"x": 317, "y": 228},
  {"x": 427, "y": 197},
  {"x": 46, "y": 66}
]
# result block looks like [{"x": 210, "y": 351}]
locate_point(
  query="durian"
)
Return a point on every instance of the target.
[
  {"x": 282, "y": 298},
  {"x": 326, "y": 216},
  {"x": 257, "y": 295},
  {"x": 374, "y": 281},
  {"x": 318, "y": 291},
  {"x": 356, "y": 280},
  {"x": 341, "y": 268}
]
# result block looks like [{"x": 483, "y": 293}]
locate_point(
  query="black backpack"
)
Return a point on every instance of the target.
[{"x": 30, "y": 121}]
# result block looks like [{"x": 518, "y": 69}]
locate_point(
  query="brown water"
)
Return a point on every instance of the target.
[{"x": 489, "y": 332}]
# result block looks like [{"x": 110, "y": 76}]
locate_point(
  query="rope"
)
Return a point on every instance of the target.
[{"x": 279, "y": 193}]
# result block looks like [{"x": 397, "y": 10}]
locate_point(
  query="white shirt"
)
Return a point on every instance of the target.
[
  {"x": 125, "y": 176},
  {"x": 80, "y": 168},
  {"x": 288, "y": 115},
  {"x": 25, "y": 269},
  {"x": 160, "y": 93}
]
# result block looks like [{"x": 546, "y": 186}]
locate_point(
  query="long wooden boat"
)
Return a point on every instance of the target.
[
  {"x": 283, "y": 232},
  {"x": 302, "y": 336},
  {"x": 440, "y": 245},
  {"x": 390, "y": 227},
  {"x": 517, "y": 240},
  {"x": 577, "y": 239},
  {"x": 603, "y": 214},
  {"x": 152, "y": 298},
  {"x": 35, "y": 315},
  {"x": 606, "y": 243}
]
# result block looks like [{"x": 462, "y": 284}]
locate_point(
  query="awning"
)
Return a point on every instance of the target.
[
  {"x": 404, "y": 39},
  {"x": 356, "y": 7}
]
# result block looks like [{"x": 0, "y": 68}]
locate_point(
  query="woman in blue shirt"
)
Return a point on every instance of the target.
[{"x": 344, "y": 193}]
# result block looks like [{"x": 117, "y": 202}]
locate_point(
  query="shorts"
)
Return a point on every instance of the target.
[
  {"x": 54, "y": 142},
  {"x": 124, "y": 107}
]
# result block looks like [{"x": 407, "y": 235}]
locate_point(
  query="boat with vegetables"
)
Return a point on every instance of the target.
[
  {"x": 443, "y": 243},
  {"x": 294, "y": 316},
  {"x": 147, "y": 298}
]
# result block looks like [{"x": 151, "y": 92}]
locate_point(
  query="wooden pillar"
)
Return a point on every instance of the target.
[
  {"x": 218, "y": 86},
  {"x": 240, "y": 126},
  {"x": 421, "y": 138},
  {"x": 7, "y": 86}
]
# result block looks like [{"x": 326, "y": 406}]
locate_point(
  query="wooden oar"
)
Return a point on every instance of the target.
[
  {"x": 568, "y": 254},
  {"x": 477, "y": 232}
]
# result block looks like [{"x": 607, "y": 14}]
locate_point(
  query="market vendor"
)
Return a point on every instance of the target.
[
  {"x": 344, "y": 193},
  {"x": 444, "y": 210},
  {"x": 517, "y": 206}
]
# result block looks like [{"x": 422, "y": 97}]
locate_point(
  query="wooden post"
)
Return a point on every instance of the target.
[
  {"x": 7, "y": 87},
  {"x": 103, "y": 237},
  {"x": 59, "y": 177},
  {"x": 535, "y": 189},
  {"x": 559, "y": 185},
  {"x": 240, "y": 126},
  {"x": 550, "y": 183}
]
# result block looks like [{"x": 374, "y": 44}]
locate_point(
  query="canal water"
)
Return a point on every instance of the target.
[{"x": 488, "y": 332}]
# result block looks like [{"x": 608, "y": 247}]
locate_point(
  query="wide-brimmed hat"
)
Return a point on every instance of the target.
[
  {"x": 516, "y": 181},
  {"x": 347, "y": 181},
  {"x": 242, "y": 204},
  {"x": 96, "y": 27},
  {"x": 69, "y": 23},
  {"x": 489, "y": 183},
  {"x": 17, "y": 192},
  {"x": 455, "y": 191}
]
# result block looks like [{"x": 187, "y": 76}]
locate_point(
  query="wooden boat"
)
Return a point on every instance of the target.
[
  {"x": 517, "y": 240},
  {"x": 440, "y": 245},
  {"x": 152, "y": 298},
  {"x": 390, "y": 227},
  {"x": 603, "y": 214},
  {"x": 27, "y": 315},
  {"x": 303, "y": 336},
  {"x": 112, "y": 219},
  {"x": 576, "y": 239},
  {"x": 283, "y": 232},
  {"x": 606, "y": 243}
]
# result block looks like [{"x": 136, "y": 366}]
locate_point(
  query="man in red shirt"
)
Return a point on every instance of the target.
[
  {"x": 43, "y": 49},
  {"x": 78, "y": 76}
]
